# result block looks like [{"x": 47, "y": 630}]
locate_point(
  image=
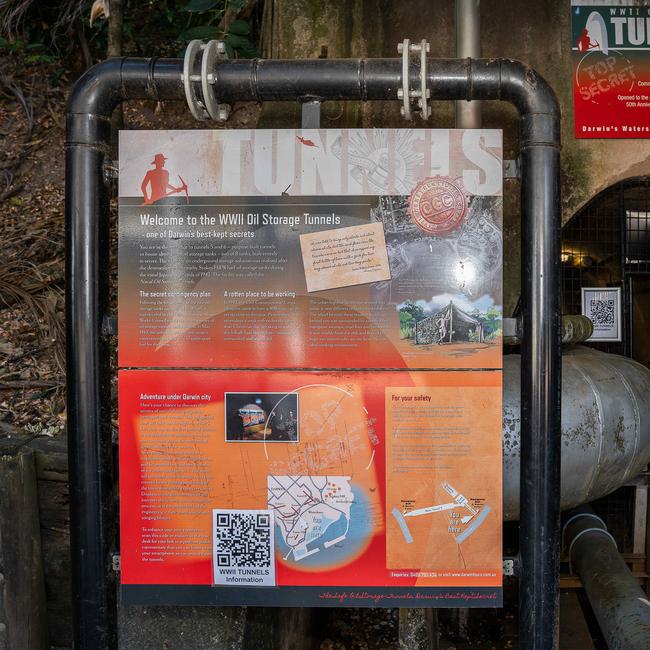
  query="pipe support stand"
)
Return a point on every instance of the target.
[{"x": 90, "y": 105}]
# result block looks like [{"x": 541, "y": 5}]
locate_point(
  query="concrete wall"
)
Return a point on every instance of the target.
[{"x": 535, "y": 31}]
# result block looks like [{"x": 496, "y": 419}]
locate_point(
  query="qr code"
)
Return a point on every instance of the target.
[
  {"x": 243, "y": 539},
  {"x": 603, "y": 313}
]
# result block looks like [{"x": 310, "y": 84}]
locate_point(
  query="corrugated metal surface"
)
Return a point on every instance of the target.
[{"x": 605, "y": 425}]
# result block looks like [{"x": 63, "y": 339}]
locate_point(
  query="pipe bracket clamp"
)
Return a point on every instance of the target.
[
  {"x": 200, "y": 89},
  {"x": 414, "y": 100},
  {"x": 591, "y": 529}
]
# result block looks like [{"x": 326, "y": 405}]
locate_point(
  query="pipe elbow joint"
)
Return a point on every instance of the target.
[
  {"x": 535, "y": 100},
  {"x": 98, "y": 91}
]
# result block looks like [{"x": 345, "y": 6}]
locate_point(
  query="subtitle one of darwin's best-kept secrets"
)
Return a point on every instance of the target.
[{"x": 310, "y": 328}]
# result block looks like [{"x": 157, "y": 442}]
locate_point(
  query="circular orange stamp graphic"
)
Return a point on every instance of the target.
[{"x": 438, "y": 205}]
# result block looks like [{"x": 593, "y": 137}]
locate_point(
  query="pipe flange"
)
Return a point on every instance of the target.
[
  {"x": 200, "y": 90},
  {"x": 194, "y": 48},
  {"x": 602, "y": 531},
  {"x": 591, "y": 515},
  {"x": 404, "y": 93},
  {"x": 414, "y": 100}
]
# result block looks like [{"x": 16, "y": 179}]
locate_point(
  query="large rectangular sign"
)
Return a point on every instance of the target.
[
  {"x": 302, "y": 315},
  {"x": 611, "y": 69}
]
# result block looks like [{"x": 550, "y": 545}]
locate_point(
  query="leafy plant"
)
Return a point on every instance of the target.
[
  {"x": 238, "y": 41},
  {"x": 236, "y": 35},
  {"x": 492, "y": 320},
  {"x": 47, "y": 32}
]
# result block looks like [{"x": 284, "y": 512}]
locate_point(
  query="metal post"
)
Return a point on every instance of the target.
[
  {"x": 468, "y": 45},
  {"x": 92, "y": 515},
  {"x": 93, "y": 512},
  {"x": 539, "y": 521},
  {"x": 311, "y": 114}
]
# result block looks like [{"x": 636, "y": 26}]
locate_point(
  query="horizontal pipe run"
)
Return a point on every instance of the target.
[{"x": 112, "y": 81}]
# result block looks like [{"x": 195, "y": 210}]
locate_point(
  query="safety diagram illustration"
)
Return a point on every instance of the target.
[{"x": 460, "y": 526}]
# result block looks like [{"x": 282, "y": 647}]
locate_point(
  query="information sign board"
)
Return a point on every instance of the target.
[
  {"x": 310, "y": 354},
  {"x": 610, "y": 44}
]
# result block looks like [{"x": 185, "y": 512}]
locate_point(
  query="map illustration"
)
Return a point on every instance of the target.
[
  {"x": 306, "y": 507},
  {"x": 460, "y": 526}
]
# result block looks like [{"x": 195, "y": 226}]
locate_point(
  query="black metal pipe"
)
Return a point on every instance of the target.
[
  {"x": 92, "y": 500},
  {"x": 539, "y": 521},
  {"x": 90, "y": 105}
]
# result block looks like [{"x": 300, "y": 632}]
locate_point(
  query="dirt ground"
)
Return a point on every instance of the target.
[{"x": 32, "y": 251}]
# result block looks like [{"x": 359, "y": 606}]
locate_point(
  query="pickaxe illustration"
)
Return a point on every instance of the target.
[{"x": 182, "y": 188}]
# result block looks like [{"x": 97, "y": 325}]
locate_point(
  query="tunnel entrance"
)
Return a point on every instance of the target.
[{"x": 607, "y": 244}]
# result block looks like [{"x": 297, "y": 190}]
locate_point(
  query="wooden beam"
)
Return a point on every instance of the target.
[
  {"x": 640, "y": 518},
  {"x": 21, "y": 562}
]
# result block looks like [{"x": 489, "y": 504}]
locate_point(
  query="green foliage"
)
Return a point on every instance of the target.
[
  {"x": 414, "y": 311},
  {"x": 493, "y": 336},
  {"x": 49, "y": 32},
  {"x": 31, "y": 52},
  {"x": 492, "y": 320},
  {"x": 204, "y": 32},
  {"x": 407, "y": 330},
  {"x": 239, "y": 28},
  {"x": 240, "y": 46},
  {"x": 236, "y": 37}
]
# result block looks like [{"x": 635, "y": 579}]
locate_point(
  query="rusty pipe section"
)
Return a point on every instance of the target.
[
  {"x": 605, "y": 426},
  {"x": 619, "y": 604}
]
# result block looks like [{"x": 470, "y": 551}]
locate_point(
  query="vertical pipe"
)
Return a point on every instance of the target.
[
  {"x": 468, "y": 45},
  {"x": 540, "y": 385},
  {"x": 93, "y": 522},
  {"x": 88, "y": 396}
]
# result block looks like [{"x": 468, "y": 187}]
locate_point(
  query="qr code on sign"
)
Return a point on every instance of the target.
[
  {"x": 603, "y": 313},
  {"x": 243, "y": 547}
]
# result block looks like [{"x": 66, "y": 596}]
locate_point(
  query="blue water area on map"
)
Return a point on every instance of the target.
[{"x": 355, "y": 539}]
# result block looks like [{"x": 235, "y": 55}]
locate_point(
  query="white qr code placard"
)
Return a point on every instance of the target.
[
  {"x": 243, "y": 548},
  {"x": 603, "y": 308}
]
